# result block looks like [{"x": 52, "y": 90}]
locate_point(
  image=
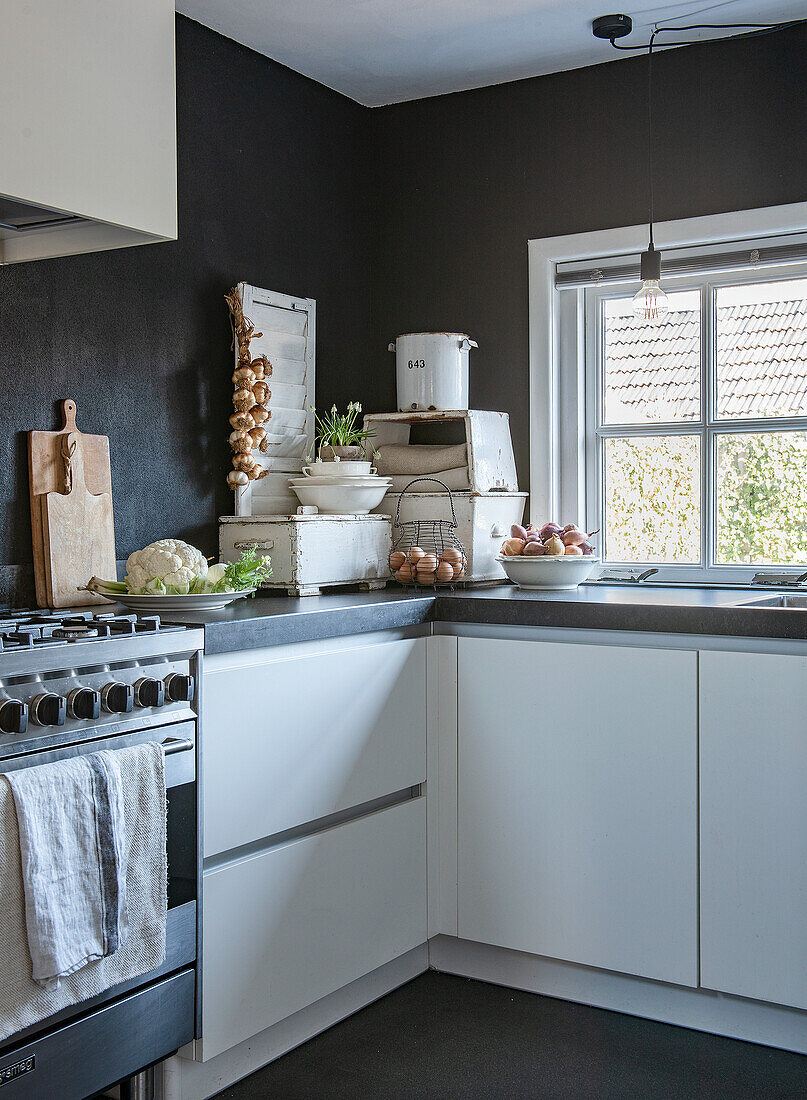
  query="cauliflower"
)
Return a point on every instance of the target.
[{"x": 163, "y": 565}]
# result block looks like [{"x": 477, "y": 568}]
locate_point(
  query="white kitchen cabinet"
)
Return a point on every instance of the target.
[
  {"x": 753, "y": 782},
  {"x": 295, "y": 733},
  {"x": 88, "y": 124},
  {"x": 290, "y": 925},
  {"x": 578, "y": 804}
]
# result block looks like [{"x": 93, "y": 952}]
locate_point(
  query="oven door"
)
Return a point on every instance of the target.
[{"x": 158, "y": 1007}]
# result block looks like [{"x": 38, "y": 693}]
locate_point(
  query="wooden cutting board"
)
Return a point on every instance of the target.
[{"x": 72, "y": 524}]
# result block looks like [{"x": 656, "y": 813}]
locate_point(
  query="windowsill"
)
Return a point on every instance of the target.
[{"x": 708, "y": 586}]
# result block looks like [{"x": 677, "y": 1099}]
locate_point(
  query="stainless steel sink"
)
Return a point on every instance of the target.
[{"x": 786, "y": 600}]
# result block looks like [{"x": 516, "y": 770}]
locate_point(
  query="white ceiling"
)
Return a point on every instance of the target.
[{"x": 386, "y": 51}]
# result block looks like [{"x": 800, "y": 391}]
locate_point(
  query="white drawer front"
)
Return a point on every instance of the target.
[
  {"x": 303, "y": 735},
  {"x": 291, "y": 925}
]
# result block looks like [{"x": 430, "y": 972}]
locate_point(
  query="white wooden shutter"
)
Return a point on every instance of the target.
[{"x": 288, "y": 327}]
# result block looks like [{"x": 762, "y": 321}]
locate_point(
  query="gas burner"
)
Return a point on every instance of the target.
[{"x": 76, "y": 632}]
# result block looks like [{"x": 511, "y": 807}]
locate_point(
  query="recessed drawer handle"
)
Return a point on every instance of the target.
[
  {"x": 176, "y": 744},
  {"x": 254, "y": 544}
]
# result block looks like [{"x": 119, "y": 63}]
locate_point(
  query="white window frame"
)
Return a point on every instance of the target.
[{"x": 563, "y": 478}]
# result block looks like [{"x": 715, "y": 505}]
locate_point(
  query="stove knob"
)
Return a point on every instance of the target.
[
  {"x": 117, "y": 698},
  {"x": 13, "y": 716},
  {"x": 179, "y": 688},
  {"x": 49, "y": 709},
  {"x": 149, "y": 692},
  {"x": 84, "y": 703}
]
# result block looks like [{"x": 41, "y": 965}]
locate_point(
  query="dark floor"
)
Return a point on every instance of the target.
[{"x": 451, "y": 1038}]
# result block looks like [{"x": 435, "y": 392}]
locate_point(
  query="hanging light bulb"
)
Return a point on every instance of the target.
[{"x": 650, "y": 303}]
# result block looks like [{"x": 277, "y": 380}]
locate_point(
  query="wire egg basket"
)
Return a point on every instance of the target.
[{"x": 427, "y": 552}]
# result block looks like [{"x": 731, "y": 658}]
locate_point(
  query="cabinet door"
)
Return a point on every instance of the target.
[
  {"x": 754, "y": 825},
  {"x": 290, "y": 925},
  {"x": 578, "y": 804},
  {"x": 297, "y": 733}
]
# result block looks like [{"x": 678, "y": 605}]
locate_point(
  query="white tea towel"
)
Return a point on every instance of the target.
[
  {"x": 73, "y": 847},
  {"x": 415, "y": 459},
  {"x": 24, "y": 1001}
]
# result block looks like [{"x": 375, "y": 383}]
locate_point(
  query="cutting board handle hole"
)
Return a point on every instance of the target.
[{"x": 69, "y": 415}]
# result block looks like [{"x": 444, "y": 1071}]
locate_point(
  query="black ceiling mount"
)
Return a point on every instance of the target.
[{"x": 612, "y": 26}]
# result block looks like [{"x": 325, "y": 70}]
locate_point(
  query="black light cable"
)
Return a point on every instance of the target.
[{"x": 612, "y": 27}]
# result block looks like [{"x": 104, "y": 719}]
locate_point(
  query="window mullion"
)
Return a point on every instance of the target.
[
  {"x": 627, "y": 431},
  {"x": 708, "y": 408}
]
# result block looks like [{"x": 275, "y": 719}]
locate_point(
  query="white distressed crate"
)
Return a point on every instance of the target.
[
  {"x": 312, "y": 552},
  {"x": 491, "y": 464}
]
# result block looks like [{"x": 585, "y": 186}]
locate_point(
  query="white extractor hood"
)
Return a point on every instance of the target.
[{"x": 87, "y": 127}]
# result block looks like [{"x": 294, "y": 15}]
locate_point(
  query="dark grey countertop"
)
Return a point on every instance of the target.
[{"x": 280, "y": 619}]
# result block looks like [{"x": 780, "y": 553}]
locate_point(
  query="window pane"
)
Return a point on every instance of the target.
[
  {"x": 762, "y": 498},
  {"x": 652, "y": 370},
  {"x": 652, "y": 499},
  {"x": 762, "y": 349}
]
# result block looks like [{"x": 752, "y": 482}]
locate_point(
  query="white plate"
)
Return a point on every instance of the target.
[{"x": 202, "y": 601}]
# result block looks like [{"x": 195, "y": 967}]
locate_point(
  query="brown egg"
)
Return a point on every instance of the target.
[
  {"x": 451, "y": 554},
  {"x": 459, "y": 570},
  {"x": 404, "y": 574},
  {"x": 396, "y": 559},
  {"x": 445, "y": 572},
  {"x": 427, "y": 564},
  {"x": 425, "y": 578},
  {"x": 415, "y": 554}
]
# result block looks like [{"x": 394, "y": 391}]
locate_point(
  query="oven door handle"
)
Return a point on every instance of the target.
[{"x": 172, "y": 745}]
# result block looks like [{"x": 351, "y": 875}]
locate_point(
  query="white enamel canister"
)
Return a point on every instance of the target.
[{"x": 431, "y": 370}]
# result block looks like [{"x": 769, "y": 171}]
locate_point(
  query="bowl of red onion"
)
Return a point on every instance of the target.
[{"x": 551, "y": 557}]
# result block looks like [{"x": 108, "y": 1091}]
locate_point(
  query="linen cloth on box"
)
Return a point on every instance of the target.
[
  {"x": 453, "y": 479},
  {"x": 24, "y": 1001},
  {"x": 73, "y": 848},
  {"x": 416, "y": 459}
]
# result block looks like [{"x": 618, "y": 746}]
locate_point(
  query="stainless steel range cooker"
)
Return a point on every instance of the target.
[{"x": 77, "y": 683}]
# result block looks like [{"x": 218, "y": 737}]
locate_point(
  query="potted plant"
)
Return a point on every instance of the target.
[{"x": 341, "y": 436}]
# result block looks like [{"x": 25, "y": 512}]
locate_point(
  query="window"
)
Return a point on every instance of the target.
[
  {"x": 696, "y": 427},
  {"x": 716, "y": 397}
]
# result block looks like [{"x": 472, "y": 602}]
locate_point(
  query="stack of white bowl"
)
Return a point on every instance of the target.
[{"x": 340, "y": 487}]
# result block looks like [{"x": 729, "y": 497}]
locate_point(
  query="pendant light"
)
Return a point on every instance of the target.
[{"x": 650, "y": 303}]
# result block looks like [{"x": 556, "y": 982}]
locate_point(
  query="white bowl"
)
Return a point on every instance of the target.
[
  {"x": 550, "y": 572},
  {"x": 338, "y": 468},
  {"x": 341, "y": 500}
]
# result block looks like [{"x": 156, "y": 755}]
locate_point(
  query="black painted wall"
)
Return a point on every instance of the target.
[
  {"x": 402, "y": 218},
  {"x": 468, "y": 179},
  {"x": 273, "y": 189}
]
